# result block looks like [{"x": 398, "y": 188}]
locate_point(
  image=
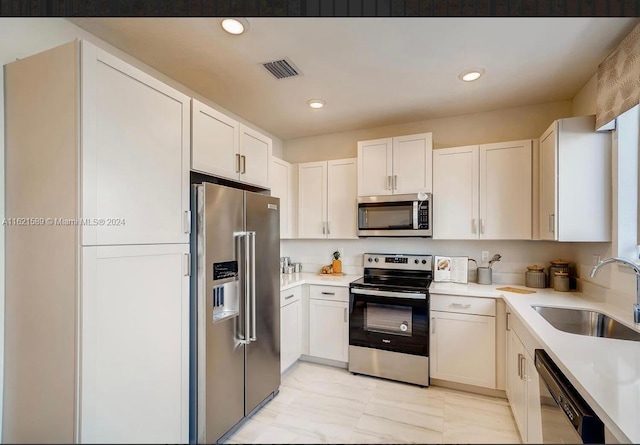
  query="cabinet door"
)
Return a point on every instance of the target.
[
  {"x": 312, "y": 200},
  {"x": 256, "y": 151},
  {"x": 412, "y": 157},
  {"x": 515, "y": 383},
  {"x": 375, "y": 162},
  {"x": 290, "y": 334},
  {"x": 534, "y": 418},
  {"x": 134, "y": 349},
  {"x": 548, "y": 183},
  {"x": 455, "y": 193},
  {"x": 280, "y": 181},
  {"x": 462, "y": 348},
  {"x": 135, "y": 154},
  {"x": 342, "y": 200},
  {"x": 505, "y": 190},
  {"x": 215, "y": 139},
  {"x": 329, "y": 329}
]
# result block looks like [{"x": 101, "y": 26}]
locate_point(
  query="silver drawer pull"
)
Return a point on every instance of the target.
[
  {"x": 328, "y": 293},
  {"x": 463, "y": 306},
  {"x": 290, "y": 296}
]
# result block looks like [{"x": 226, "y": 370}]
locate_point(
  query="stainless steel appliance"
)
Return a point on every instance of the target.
[
  {"x": 235, "y": 312},
  {"x": 395, "y": 215},
  {"x": 566, "y": 417},
  {"x": 389, "y": 318}
]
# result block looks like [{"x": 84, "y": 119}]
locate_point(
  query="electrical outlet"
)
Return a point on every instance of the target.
[
  {"x": 485, "y": 256},
  {"x": 596, "y": 259}
]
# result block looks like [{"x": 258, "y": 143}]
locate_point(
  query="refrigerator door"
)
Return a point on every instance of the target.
[
  {"x": 221, "y": 329},
  {"x": 263, "y": 354}
]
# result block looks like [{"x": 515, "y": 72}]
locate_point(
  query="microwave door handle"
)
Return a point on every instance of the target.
[{"x": 415, "y": 215}]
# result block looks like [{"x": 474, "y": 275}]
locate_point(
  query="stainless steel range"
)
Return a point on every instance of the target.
[{"x": 389, "y": 318}]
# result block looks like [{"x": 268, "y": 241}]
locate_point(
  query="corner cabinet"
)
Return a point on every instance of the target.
[
  {"x": 575, "y": 181},
  {"x": 222, "y": 146},
  {"x": 290, "y": 327},
  {"x": 327, "y": 201},
  {"x": 395, "y": 166},
  {"x": 282, "y": 181},
  {"x": 483, "y": 191}
]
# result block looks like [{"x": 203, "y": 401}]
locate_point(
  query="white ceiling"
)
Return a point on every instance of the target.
[{"x": 370, "y": 71}]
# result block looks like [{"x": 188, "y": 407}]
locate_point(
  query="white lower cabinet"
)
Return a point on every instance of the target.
[
  {"x": 329, "y": 322},
  {"x": 523, "y": 389},
  {"x": 290, "y": 327},
  {"x": 134, "y": 352},
  {"x": 463, "y": 340}
]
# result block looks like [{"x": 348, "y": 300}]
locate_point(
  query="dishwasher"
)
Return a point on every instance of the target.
[{"x": 566, "y": 417}]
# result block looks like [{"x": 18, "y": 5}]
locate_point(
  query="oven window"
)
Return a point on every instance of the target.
[
  {"x": 385, "y": 216},
  {"x": 386, "y": 318}
]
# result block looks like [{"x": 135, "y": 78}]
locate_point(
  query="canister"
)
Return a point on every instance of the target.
[
  {"x": 535, "y": 277},
  {"x": 561, "y": 282},
  {"x": 484, "y": 275},
  {"x": 557, "y": 266},
  {"x": 289, "y": 269},
  {"x": 298, "y": 267}
]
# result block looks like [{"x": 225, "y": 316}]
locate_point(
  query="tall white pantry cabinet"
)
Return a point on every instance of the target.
[{"x": 97, "y": 320}]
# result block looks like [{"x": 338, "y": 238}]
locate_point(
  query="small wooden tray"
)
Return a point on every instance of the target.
[{"x": 516, "y": 290}]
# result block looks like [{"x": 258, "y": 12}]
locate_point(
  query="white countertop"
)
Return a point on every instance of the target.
[
  {"x": 605, "y": 371},
  {"x": 289, "y": 280}
]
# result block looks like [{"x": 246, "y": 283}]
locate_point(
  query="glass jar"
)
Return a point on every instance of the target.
[
  {"x": 535, "y": 277},
  {"x": 561, "y": 282}
]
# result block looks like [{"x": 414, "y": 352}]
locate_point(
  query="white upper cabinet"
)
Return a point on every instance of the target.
[
  {"x": 327, "y": 202},
  {"x": 455, "y": 193},
  {"x": 215, "y": 141},
  {"x": 255, "y": 157},
  {"x": 394, "y": 166},
  {"x": 135, "y": 154},
  {"x": 575, "y": 181},
  {"x": 221, "y": 146},
  {"x": 483, "y": 192},
  {"x": 281, "y": 179}
]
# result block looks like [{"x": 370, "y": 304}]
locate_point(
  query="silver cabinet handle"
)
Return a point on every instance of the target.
[
  {"x": 520, "y": 365},
  {"x": 187, "y": 264},
  {"x": 289, "y": 296},
  {"x": 481, "y": 225},
  {"x": 433, "y": 325},
  {"x": 244, "y": 164},
  {"x": 388, "y": 186},
  {"x": 508, "y": 321},
  {"x": 237, "y": 163},
  {"x": 328, "y": 293},
  {"x": 324, "y": 228},
  {"x": 345, "y": 315},
  {"x": 473, "y": 225},
  {"x": 395, "y": 182},
  {"x": 186, "y": 222},
  {"x": 463, "y": 306},
  {"x": 553, "y": 223},
  {"x": 328, "y": 227},
  {"x": 252, "y": 287}
]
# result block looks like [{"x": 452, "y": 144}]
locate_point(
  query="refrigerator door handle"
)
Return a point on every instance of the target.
[
  {"x": 251, "y": 237},
  {"x": 243, "y": 309}
]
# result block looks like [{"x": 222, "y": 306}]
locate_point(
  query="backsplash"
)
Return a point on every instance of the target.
[{"x": 516, "y": 255}]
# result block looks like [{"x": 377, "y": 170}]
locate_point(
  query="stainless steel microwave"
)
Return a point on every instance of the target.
[{"x": 395, "y": 215}]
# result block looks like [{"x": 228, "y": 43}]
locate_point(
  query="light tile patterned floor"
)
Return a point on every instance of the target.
[{"x": 321, "y": 404}]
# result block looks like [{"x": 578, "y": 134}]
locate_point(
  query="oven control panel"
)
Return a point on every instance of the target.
[{"x": 397, "y": 261}]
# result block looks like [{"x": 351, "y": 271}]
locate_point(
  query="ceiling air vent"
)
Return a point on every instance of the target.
[{"x": 281, "y": 69}]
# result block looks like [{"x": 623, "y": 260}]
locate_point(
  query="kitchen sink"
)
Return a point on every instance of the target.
[{"x": 585, "y": 322}]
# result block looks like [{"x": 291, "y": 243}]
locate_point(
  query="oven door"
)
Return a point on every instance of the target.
[{"x": 391, "y": 320}]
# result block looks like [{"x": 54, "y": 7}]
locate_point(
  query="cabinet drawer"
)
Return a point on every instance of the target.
[
  {"x": 329, "y": 293},
  {"x": 463, "y": 305},
  {"x": 290, "y": 295}
]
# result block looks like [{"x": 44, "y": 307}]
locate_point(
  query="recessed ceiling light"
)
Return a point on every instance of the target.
[
  {"x": 235, "y": 26},
  {"x": 471, "y": 75},
  {"x": 316, "y": 103}
]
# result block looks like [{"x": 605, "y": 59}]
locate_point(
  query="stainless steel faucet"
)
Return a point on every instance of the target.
[{"x": 634, "y": 266}]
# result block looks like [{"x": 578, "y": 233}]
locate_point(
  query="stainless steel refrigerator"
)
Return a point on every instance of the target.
[{"x": 235, "y": 312}]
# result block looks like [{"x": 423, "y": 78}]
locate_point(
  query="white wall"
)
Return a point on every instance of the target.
[
  {"x": 22, "y": 37},
  {"x": 477, "y": 128}
]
